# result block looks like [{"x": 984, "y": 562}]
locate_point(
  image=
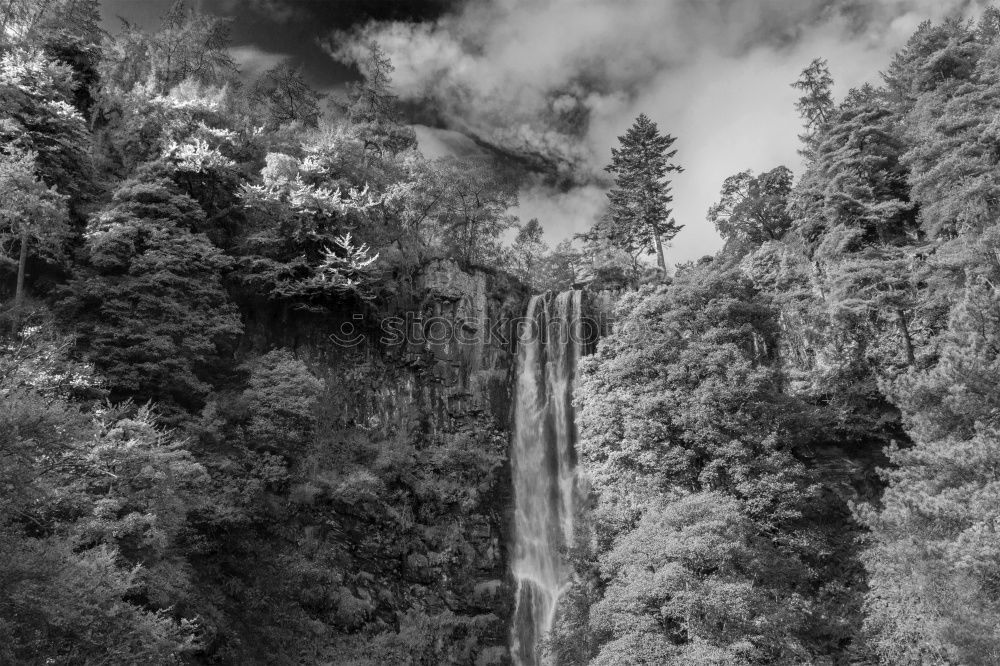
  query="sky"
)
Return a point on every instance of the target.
[{"x": 554, "y": 82}]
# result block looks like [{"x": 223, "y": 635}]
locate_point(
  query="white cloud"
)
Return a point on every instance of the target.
[
  {"x": 253, "y": 61},
  {"x": 564, "y": 213},
  {"x": 279, "y": 11},
  {"x": 435, "y": 143}
]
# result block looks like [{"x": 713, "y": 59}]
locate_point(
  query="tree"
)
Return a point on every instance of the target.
[
  {"x": 187, "y": 45},
  {"x": 607, "y": 263},
  {"x": 528, "y": 251},
  {"x": 36, "y": 114},
  {"x": 937, "y": 56},
  {"x": 933, "y": 560},
  {"x": 281, "y": 95},
  {"x": 932, "y": 557},
  {"x": 40, "y": 23},
  {"x": 681, "y": 557},
  {"x": 66, "y": 31},
  {"x": 149, "y": 303},
  {"x": 33, "y": 218},
  {"x": 857, "y": 224},
  {"x": 880, "y": 285},
  {"x": 705, "y": 541},
  {"x": 559, "y": 268},
  {"x": 816, "y": 104},
  {"x": 953, "y": 174},
  {"x": 470, "y": 210},
  {"x": 855, "y": 192},
  {"x": 190, "y": 45},
  {"x": 753, "y": 209},
  {"x": 304, "y": 250},
  {"x": 371, "y": 104},
  {"x": 91, "y": 514},
  {"x": 638, "y": 218},
  {"x": 372, "y": 99},
  {"x": 281, "y": 402}
]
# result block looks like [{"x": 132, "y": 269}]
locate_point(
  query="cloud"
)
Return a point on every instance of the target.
[
  {"x": 435, "y": 143},
  {"x": 556, "y": 82},
  {"x": 253, "y": 61},
  {"x": 279, "y": 11},
  {"x": 571, "y": 212}
]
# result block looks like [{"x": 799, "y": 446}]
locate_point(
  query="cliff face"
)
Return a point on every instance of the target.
[{"x": 407, "y": 494}]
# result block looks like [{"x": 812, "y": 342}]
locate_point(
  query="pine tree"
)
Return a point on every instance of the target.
[
  {"x": 372, "y": 99},
  {"x": 932, "y": 556},
  {"x": 953, "y": 168},
  {"x": 151, "y": 308},
  {"x": 816, "y": 104},
  {"x": 639, "y": 218},
  {"x": 372, "y": 106}
]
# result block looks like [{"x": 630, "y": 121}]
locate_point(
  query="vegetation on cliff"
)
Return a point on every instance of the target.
[
  {"x": 733, "y": 425},
  {"x": 789, "y": 449},
  {"x": 183, "y": 477}
]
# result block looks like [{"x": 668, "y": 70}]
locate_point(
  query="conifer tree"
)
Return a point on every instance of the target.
[
  {"x": 371, "y": 106},
  {"x": 639, "y": 218},
  {"x": 372, "y": 99},
  {"x": 816, "y": 104},
  {"x": 152, "y": 312}
]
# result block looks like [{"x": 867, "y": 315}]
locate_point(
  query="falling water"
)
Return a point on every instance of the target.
[{"x": 543, "y": 462}]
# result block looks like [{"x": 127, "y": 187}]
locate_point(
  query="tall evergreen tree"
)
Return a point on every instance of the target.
[
  {"x": 150, "y": 304},
  {"x": 816, "y": 104},
  {"x": 639, "y": 218}
]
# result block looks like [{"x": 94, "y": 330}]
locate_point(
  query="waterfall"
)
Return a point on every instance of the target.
[{"x": 543, "y": 461}]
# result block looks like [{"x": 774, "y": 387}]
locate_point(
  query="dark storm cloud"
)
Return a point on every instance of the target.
[
  {"x": 340, "y": 13},
  {"x": 265, "y": 32}
]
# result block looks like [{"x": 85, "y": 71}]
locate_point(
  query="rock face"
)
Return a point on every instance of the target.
[
  {"x": 465, "y": 335},
  {"x": 409, "y": 486}
]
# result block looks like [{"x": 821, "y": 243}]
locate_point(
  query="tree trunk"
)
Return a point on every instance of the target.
[
  {"x": 22, "y": 264},
  {"x": 907, "y": 340},
  {"x": 660, "y": 261}
]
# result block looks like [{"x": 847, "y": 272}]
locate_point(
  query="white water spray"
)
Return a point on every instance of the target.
[{"x": 543, "y": 461}]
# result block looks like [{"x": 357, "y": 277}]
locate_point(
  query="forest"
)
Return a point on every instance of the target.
[{"x": 788, "y": 452}]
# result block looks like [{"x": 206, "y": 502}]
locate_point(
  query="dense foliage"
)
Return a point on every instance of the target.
[
  {"x": 790, "y": 448},
  {"x": 788, "y": 451},
  {"x": 182, "y": 480}
]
